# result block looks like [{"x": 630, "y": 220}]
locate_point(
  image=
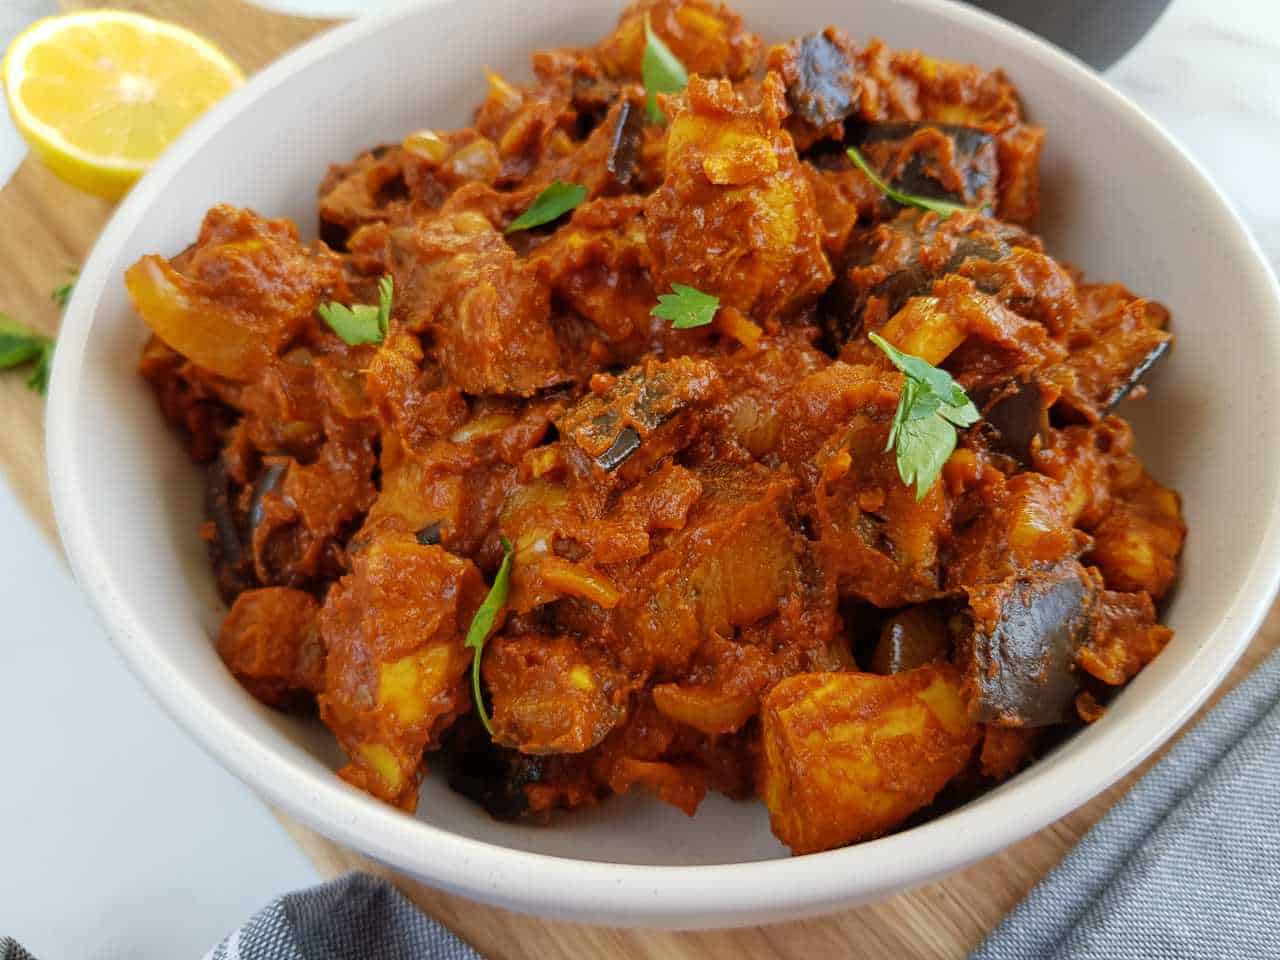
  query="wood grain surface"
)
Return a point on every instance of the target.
[{"x": 47, "y": 228}]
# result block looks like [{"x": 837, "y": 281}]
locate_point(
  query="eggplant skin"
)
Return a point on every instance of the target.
[
  {"x": 228, "y": 549},
  {"x": 913, "y": 251},
  {"x": 490, "y": 776},
  {"x": 921, "y": 147},
  {"x": 624, "y": 445},
  {"x": 266, "y": 483},
  {"x": 1016, "y": 418},
  {"x": 1020, "y": 658},
  {"x": 824, "y": 88},
  {"x": 1136, "y": 375},
  {"x": 624, "y": 145}
]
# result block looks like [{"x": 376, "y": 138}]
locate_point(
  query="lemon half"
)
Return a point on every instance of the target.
[{"x": 100, "y": 94}]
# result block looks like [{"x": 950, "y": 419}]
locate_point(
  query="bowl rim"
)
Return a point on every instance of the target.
[{"x": 592, "y": 891}]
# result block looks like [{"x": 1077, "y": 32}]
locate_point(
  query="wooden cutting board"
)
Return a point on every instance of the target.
[{"x": 47, "y": 227}]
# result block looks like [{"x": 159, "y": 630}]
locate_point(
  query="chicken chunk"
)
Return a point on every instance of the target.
[
  {"x": 486, "y": 312},
  {"x": 271, "y": 643},
  {"x": 1124, "y": 637},
  {"x": 728, "y": 567},
  {"x": 552, "y": 694}
]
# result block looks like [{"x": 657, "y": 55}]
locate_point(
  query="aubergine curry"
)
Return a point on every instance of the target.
[{"x": 703, "y": 417}]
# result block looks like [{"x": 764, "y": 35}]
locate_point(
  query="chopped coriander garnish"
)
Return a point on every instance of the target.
[
  {"x": 551, "y": 204},
  {"x": 686, "y": 307},
  {"x": 19, "y": 345},
  {"x": 661, "y": 70},
  {"x": 942, "y": 208},
  {"x": 482, "y": 624},
  {"x": 61, "y": 294},
  {"x": 361, "y": 323},
  {"x": 930, "y": 408}
]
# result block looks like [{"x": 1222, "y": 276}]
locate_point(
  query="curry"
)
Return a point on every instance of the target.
[{"x": 703, "y": 417}]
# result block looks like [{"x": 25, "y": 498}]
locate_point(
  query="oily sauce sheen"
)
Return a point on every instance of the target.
[{"x": 719, "y": 581}]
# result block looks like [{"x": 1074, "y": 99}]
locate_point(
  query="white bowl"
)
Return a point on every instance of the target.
[{"x": 1122, "y": 201}]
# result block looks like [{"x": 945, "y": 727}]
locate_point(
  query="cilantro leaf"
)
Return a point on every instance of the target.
[
  {"x": 361, "y": 323},
  {"x": 61, "y": 294},
  {"x": 482, "y": 625},
  {"x": 930, "y": 408},
  {"x": 939, "y": 382},
  {"x": 551, "y": 204},
  {"x": 686, "y": 307},
  {"x": 943, "y": 208},
  {"x": 661, "y": 70},
  {"x": 40, "y": 373},
  {"x": 924, "y": 445},
  {"x": 19, "y": 345}
]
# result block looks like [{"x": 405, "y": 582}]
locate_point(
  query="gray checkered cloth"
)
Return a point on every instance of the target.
[
  {"x": 356, "y": 917},
  {"x": 1187, "y": 865}
]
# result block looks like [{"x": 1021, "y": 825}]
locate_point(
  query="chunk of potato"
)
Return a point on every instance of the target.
[
  {"x": 736, "y": 215},
  {"x": 849, "y": 756},
  {"x": 1136, "y": 547},
  {"x": 395, "y": 673},
  {"x": 708, "y": 38}
]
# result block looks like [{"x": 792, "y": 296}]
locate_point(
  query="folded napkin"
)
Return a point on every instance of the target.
[
  {"x": 1187, "y": 864},
  {"x": 356, "y": 917}
]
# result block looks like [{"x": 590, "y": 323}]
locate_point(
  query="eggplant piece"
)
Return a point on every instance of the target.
[
  {"x": 1014, "y": 418},
  {"x": 907, "y": 248},
  {"x": 910, "y": 157},
  {"x": 268, "y": 480},
  {"x": 491, "y": 776},
  {"x": 1020, "y": 655},
  {"x": 232, "y": 564},
  {"x": 591, "y": 96},
  {"x": 911, "y": 638},
  {"x": 231, "y": 550},
  {"x": 624, "y": 146},
  {"x": 821, "y": 76},
  {"x": 1107, "y": 371},
  {"x": 645, "y": 414},
  {"x": 218, "y": 508},
  {"x": 1135, "y": 375},
  {"x": 624, "y": 445}
]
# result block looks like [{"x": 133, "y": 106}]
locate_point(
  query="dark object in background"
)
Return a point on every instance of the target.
[{"x": 1099, "y": 32}]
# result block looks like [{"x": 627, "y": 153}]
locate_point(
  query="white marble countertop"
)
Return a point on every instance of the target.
[{"x": 119, "y": 838}]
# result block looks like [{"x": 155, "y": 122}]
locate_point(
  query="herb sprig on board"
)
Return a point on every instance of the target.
[{"x": 19, "y": 344}]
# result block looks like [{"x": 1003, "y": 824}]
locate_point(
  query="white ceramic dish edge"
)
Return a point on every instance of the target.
[{"x": 697, "y": 896}]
